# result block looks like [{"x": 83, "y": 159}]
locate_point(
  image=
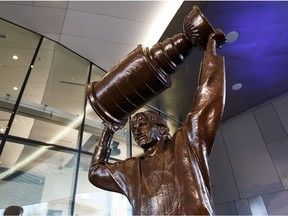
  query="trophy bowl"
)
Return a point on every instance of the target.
[{"x": 197, "y": 28}]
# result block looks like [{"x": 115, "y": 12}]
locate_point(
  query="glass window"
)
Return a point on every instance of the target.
[
  {"x": 137, "y": 151},
  {"x": 45, "y": 131},
  {"x": 51, "y": 109},
  {"x": 38, "y": 179},
  {"x": 16, "y": 51},
  {"x": 91, "y": 200},
  {"x": 4, "y": 119},
  {"x": 17, "y": 47}
]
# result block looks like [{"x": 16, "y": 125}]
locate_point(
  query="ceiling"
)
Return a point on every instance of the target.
[{"x": 105, "y": 32}]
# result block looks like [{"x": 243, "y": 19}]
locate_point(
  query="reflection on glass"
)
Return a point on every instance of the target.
[
  {"x": 92, "y": 129},
  {"x": 4, "y": 119},
  {"x": 37, "y": 179},
  {"x": 137, "y": 151},
  {"x": 52, "y": 104},
  {"x": 20, "y": 44},
  {"x": 119, "y": 144},
  {"x": 96, "y": 73},
  {"x": 45, "y": 131},
  {"x": 91, "y": 200},
  {"x": 58, "y": 79}
]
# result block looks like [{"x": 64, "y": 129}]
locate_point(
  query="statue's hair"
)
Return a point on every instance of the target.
[{"x": 156, "y": 119}]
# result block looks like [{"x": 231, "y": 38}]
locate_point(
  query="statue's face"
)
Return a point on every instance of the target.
[{"x": 145, "y": 133}]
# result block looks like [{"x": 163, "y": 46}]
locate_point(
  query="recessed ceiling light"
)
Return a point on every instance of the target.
[
  {"x": 237, "y": 86},
  {"x": 15, "y": 57},
  {"x": 232, "y": 36},
  {"x": 15, "y": 88},
  {"x": 2, "y": 130}
]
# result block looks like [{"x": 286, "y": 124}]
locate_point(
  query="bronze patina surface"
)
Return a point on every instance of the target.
[{"x": 172, "y": 177}]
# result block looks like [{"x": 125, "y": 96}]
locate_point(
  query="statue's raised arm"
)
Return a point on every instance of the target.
[{"x": 209, "y": 100}]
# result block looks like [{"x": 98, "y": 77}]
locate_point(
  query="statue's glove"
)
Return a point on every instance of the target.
[
  {"x": 216, "y": 39},
  {"x": 112, "y": 128},
  {"x": 102, "y": 150},
  {"x": 219, "y": 36}
]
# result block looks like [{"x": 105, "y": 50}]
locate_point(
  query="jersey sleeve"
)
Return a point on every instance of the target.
[{"x": 203, "y": 121}]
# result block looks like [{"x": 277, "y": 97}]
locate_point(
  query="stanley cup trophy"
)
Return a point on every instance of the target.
[{"x": 145, "y": 73}]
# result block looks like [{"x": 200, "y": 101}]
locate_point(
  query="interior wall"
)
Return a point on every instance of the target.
[{"x": 248, "y": 165}]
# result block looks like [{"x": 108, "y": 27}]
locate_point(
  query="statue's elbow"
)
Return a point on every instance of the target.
[{"x": 94, "y": 176}]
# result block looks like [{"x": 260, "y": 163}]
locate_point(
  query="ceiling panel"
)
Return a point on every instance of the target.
[
  {"x": 52, "y": 4},
  {"x": 28, "y": 3},
  {"x": 140, "y": 11},
  {"x": 110, "y": 29},
  {"x": 103, "y": 53},
  {"x": 39, "y": 19}
]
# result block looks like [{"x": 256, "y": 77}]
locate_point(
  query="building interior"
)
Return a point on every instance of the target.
[{"x": 50, "y": 50}]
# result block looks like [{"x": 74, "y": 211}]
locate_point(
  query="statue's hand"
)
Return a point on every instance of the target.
[
  {"x": 112, "y": 128},
  {"x": 107, "y": 134},
  {"x": 219, "y": 36},
  {"x": 216, "y": 39}
]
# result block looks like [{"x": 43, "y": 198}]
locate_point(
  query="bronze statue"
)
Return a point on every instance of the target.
[{"x": 172, "y": 178}]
